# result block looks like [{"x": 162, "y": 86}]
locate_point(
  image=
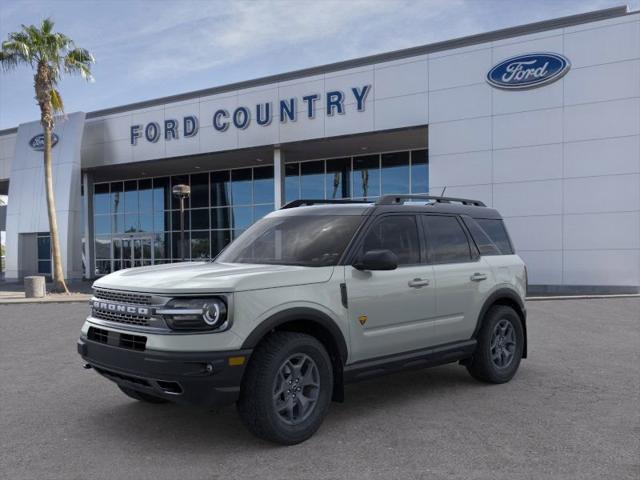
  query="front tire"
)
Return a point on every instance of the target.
[
  {"x": 500, "y": 345},
  {"x": 140, "y": 396},
  {"x": 287, "y": 388}
]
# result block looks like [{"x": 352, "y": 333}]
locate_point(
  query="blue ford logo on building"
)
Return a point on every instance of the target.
[
  {"x": 528, "y": 71},
  {"x": 37, "y": 142}
]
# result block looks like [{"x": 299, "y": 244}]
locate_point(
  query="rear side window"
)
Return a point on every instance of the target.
[
  {"x": 446, "y": 239},
  {"x": 497, "y": 233},
  {"x": 484, "y": 243},
  {"x": 397, "y": 233}
]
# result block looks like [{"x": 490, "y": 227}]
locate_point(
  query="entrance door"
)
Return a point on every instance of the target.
[{"x": 132, "y": 251}]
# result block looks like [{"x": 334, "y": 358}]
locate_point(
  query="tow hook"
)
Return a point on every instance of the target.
[{"x": 86, "y": 366}]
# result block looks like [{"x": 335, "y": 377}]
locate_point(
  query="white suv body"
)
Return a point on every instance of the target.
[{"x": 317, "y": 293}]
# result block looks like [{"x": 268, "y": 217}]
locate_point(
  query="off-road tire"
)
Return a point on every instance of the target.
[
  {"x": 140, "y": 396},
  {"x": 482, "y": 365},
  {"x": 256, "y": 405}
]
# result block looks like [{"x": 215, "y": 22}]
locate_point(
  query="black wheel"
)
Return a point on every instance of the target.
[
  {"x": 500, "y": 343},
  {"x": 287, "y": 388},
  {"x": 141, "y": 396}
]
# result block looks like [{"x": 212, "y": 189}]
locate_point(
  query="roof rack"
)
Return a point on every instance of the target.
[
  {"x": 400, "y": 199},
  {"x": 307, "y": 202}
]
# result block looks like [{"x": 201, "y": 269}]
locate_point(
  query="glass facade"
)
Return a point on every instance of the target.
[{"x": 137, "y": 222}]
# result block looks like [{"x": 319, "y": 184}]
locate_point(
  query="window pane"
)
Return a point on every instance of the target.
[
  {"x": 102, "y": 224},
  {"x": 200, "y": 219},
  {"x": 260, "y": 211},
  {"x": 395, "y": 172},
  {"x": 200, "y": 190},
  {"x": 420, "y": 171},
  {"x": 398, "y": 234},
  {"x": 101, "y": 198},
  {"x": 241, "y": 187},
  {"x": 337, "y": 182},
  {"x": 103, "y": 267},
  {"x": 498, "y": 233},
  {"x": 366, "y": 177},
  {"x": 117, "y": 223},
  {"x": 161, "y": 222},
  {"x": 312, "y": 180},
  {"x": 220, "y": 189},
  {"x": 161, "y": 194},
  {"x": 179, "y": 180},
  {"x": 103, "y": 247},
  {"x": 292, "y": 182},
  {"x": 118, "y": 253},
  {"x": 160, "y": 245},
  {"x": 175, "y": 246},
  {"x": 131, "y": 222},
  {"x": 44, "y": 247},
  {"x": 117, "y": 197},
  {"x": 242, "y": 217},
  {"x": 131, "y": 196},
  {"x": 199, "y": 245},
  {"x": 175, "y": 220},
  {"x": 220, "y": 218},
  {"x": 263, "y": 185},
  {"x": 483, "y": 242},
  {"x": 219, "y": 240},
  {"x": 446, "y": 239},
  {"x": 146, "y": 222},
  {"x": 145, "y": 195}
]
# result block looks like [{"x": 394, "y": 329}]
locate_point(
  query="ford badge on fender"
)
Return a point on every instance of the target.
[{"x": 528, "y": 71}]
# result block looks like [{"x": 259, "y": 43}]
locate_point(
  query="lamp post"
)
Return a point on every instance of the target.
[{"x": 182, "y": 192}]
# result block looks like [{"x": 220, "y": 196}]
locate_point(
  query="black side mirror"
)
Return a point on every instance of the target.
[{"x": 377, "y": 260}]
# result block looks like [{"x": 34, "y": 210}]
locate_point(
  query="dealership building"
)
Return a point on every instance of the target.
[{"x": 541, "y": 121}]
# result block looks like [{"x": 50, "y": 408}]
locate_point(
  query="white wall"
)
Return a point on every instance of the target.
[
  {"x": 7, "y": 151},
  {"x": 561, "y": 162}
]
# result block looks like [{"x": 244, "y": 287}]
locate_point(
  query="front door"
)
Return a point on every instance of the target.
[
  {"x": 132, "y": 251},
  {"x": 391, "y": 311}
]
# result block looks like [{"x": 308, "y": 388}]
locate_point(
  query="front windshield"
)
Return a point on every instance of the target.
[{"x": 306, "y": 240}]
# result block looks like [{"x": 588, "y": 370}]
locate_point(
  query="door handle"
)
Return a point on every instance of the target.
[
  {"x": 418, "y": 282},
  {"x": 478, "y": 277}
]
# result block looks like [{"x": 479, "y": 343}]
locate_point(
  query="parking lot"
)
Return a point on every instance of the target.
[{"x": 572, "y": 412}]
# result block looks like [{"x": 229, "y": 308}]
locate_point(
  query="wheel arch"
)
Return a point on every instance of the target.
[
  {"x": 314, "y": 323},
  {"x": 509, "y": 298}
]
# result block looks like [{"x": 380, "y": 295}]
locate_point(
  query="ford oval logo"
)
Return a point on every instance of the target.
[
  {"x": 528, "y": 71},
  {"x": 37, "y": 142}
]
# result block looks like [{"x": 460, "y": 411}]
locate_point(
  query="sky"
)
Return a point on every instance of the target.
[{"x": 149, "y": 49}]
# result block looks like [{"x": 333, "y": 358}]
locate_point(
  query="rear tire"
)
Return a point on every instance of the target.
[
  {"x": 140, "y": 396},
  {"x": 287, "y": 388},
  {"x": 500, "y": 345}
]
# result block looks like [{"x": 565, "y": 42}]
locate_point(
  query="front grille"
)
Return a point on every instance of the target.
[
  {"x": 123, "y": 297},
  {"x": 128, "y": 318},
  {"x": 122, "y": 340}
]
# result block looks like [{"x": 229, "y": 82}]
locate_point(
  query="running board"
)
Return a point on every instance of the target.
[{"x": 427, "y": 357}]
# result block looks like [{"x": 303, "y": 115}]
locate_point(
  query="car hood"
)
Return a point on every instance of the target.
[{"x": 207, "y": 277}]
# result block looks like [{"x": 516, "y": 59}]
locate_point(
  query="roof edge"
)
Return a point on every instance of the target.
[{"x": 469, "y": 40}]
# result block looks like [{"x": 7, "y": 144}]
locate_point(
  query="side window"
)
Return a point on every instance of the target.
[
  {"x": 484, "y": 243},
  {"x": 446, "y": 239},
  {"x": 398, "y": 233},
  {"x": 497, "y": 233}
]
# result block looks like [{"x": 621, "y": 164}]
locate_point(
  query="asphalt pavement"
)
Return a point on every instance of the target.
[{"x": 571, "y": 412}]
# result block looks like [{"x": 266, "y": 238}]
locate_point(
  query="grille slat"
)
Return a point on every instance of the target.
[
  {"x": 127, "y": 318},
  {"x": 131, "y": 298}
]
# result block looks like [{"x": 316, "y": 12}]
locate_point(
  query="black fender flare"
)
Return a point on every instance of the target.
[
  {"x": 299, "y": 314},
  {"x": 512, "y": 297}
]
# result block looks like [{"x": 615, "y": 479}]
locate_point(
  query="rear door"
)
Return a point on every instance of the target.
[
  {"x": 391, "y": 311},
  {"x": 462, "y": 277}
]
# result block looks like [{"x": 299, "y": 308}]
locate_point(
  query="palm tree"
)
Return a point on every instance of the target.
[{"x": 50, "y": 55}]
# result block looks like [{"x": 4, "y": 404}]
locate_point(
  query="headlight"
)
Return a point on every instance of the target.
[{"x": 195, "y": 314}]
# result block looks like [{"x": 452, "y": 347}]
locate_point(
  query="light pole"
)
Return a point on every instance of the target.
[{"x": 182, "y": 192}]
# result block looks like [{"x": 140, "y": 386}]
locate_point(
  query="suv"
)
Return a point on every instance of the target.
[{"x": 311, "y": 297}]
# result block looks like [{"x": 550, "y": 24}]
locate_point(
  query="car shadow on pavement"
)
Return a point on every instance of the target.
[{"x": 169, "y": 426}]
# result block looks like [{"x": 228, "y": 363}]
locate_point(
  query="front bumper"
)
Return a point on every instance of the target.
[{"x": 202, "y": 379}]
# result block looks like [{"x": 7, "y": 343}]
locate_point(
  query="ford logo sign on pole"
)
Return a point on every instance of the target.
[
  {"x": 37, "y": 142},
  {"x": 528, "y": 71}
]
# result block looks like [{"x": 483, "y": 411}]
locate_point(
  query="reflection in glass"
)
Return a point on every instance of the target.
[
  {"x": 44, "y": 247},
  {"x": 395, "y": 172},
  {"x": 337, "y": 182},
  {"x": 131, "y": 203},
  {"x": 101, "y": 198},
  {"x": 200, "y": 219},
  {"x": 220, "y": 218},
  {"x": 200, "y": 190},
  {"x": 220, "y": 189},
  {"x": 292, "y": 182},
  {"x": 160, "y": 242},
  {"x": 117, "y": 223},
  {"x": 366, "y": 176},
  {"x": 242, "y": 217},
  {"x": 175, "y": 220},
  {"x": 200, "y": 245},
  {"x": 241, "y": 186},
  {"x": 260, "y": 211},
  {"x": 312, "y": 180},
  {"x": 263, "y": 185},
  {"x": 179, "y": 180},
  {"x": 161, "y": 194},
  {"x": 145, "y": 195},
  {"x": 102, "y": 224},
  {"x": 146, "y": 222},
  {"x": 131, "y": 223},
  {"x": 420, "y": 171},
  {"x": 219, "y": 240},
  {"x": 103, "y": 247}
]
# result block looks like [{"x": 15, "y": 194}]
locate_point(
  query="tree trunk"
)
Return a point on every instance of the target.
[{"x": 59, "y": 284}]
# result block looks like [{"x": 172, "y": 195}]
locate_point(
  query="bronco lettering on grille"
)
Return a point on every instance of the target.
[{"x": 118, "y": 308}]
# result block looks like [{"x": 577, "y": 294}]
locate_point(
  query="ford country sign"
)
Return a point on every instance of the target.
[
  {"x": 37, "y": 142},
  {"x": 528, "y": 71}
]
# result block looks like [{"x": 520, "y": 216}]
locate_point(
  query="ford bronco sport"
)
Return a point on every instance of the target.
[{"x": 311, "y": 297}]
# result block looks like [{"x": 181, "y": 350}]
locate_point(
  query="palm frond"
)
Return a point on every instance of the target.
[
  {"x": 56, "y": 101},
  {"x": 79, "y": 61}
]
